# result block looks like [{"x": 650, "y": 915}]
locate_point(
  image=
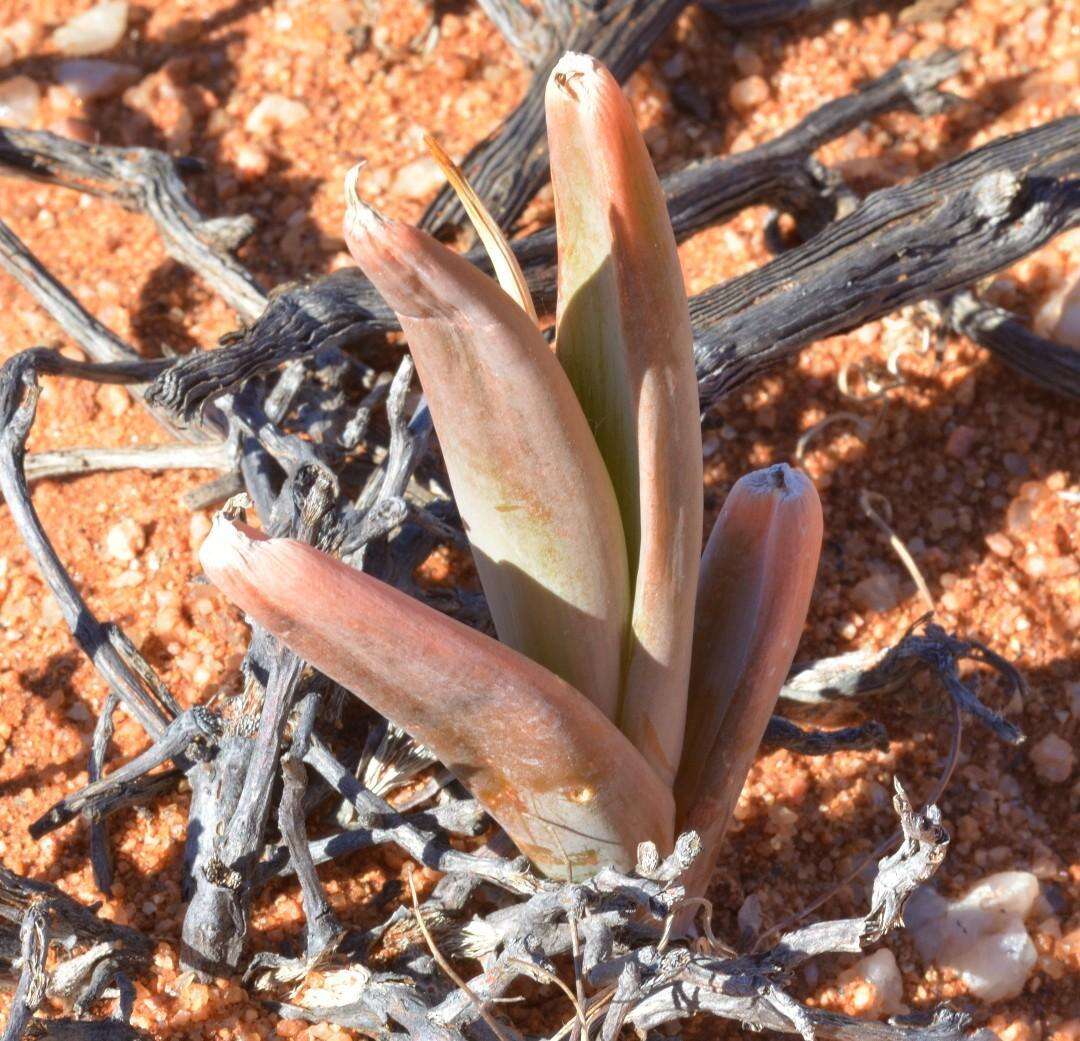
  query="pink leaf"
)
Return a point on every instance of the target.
[
  {"x": 560, "y": 778},
  {"x": 757, "y": 575}
]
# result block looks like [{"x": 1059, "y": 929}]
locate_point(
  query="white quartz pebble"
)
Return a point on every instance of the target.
[
  {"x": 93, "y": 32},
  {"x": 981, "y": 936}
]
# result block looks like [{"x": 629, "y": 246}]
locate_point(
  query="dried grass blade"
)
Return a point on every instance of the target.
[{"x": 507, "y": 269}]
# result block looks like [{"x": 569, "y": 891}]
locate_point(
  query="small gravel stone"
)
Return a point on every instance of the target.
[
  {"x": 113, "y": 399},
  {"x": 418, "y": 179},
  {"x": 19, "y": 100},
  {"x": 675, "y": 66},
  {"x": 875, "y": 985},
  {"x": 961, "y": 442},
  {"x": 877, "y": 592},
  {"x": 1068, "y": 1031},
  {"x": 747, "y": 60},
  {"x": 941, "y": 518},
  {"x": 24, "y": 35},
  {"x": 999, "y": 544},
  {"x": 746, "y": 94},
  {"x": 125, "y": 540},
  {"x": 95, "y": 31},
  {"x": 76, "y": 129},
  {"x": 251, "y": 162},
  {"x": 1058, "y": 316},
  {"x": 198, "y": 529},
  {"x": 91, "y": 79},
  {"x": 1053, "y": 759},
  {"x": 167, "y": 619},
  {"x": 1016, "y": 464},
  {"x": 339, "y": 17},
  {"x": 275, "y": 112}
]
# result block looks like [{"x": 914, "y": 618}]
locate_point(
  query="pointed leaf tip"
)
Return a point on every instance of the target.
[{"x": 577, "y": 76}]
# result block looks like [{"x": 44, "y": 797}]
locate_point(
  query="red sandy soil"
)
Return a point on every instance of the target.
[{"x": 980, "y": 469}]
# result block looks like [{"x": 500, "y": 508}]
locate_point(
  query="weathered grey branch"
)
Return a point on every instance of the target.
[
  {"x": 147, "y": 181},
  {"x": 754, "y": 14},
  {"x": 782, "y": 733},
  {"x": 71, "y": 462},
  {"x": 1049, "y": 365},
  {"x": 322, "y": 929},
  {"x": 508, "y": 168},
  {"x": 30, "y": 992},
  {"x": 902, "y": 244},
  {"x": 140, "y": 791},
  {"x": 18, "y": 400},
  {"x": 940, "y": 232},
  {"x": 530, "y": 37},
  {"x": 100, "y": 859},
  {"x": 783, "y": 172},
  {"x": 380, "y": 824},
  {"x": 63, "y": 1029},
  {"x": 218, "y": 911},
  {"x": 99, "y": 342},
  {"x": 855, "y": 674},
  {"x": 196, "y": 725},
  {"x": 865, "y": 673},
  {"x": 46, "y": 918}
]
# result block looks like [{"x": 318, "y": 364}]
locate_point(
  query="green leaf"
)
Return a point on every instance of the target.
[{"x": 623, "y": 337}]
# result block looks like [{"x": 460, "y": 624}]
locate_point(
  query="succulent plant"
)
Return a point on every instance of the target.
[{"x": 633, "y": 678}]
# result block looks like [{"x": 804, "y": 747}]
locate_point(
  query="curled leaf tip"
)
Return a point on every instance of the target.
[
  {"x": 360, "y": 215},
  {"x": 228, "y": 544},
  {"x": 779, "y": 477},
  {"x": 575, "y": 75}
]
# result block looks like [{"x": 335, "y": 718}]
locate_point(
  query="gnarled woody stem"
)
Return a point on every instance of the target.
[{"x": 567, "y": 786}]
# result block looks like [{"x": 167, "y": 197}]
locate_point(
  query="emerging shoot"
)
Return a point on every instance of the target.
[{"x": 578, "y": 476}]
